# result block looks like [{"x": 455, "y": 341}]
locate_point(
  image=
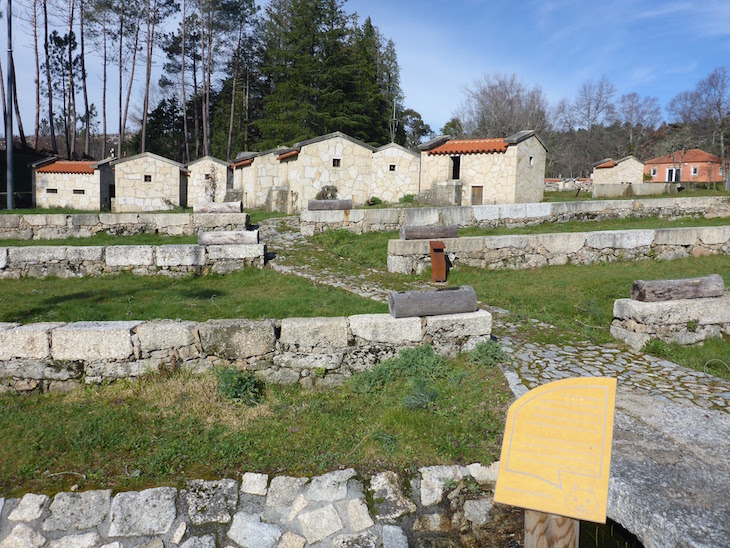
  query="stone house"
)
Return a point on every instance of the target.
[
  {"x": 484, "y": 171},
  {"x": 73, "y": 184},
  {"x": 627, "y": 170},
  {"x": 148, "y": 182},
  {"x": 287, "y": 178},
  {"x": 690, "y": 166},
  {"x": 209, "y": 180}
]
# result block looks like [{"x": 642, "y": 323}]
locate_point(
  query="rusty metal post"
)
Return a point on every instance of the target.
[{"x": 438, "y": 261}]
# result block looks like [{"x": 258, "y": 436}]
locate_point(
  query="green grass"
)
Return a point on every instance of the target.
[
  {"x": 158, "y": 431},
  {"x": 570, "y": 195},
  {"x": 104, "y": 239},
  {"x": 258, "y": 215},
  {"x": 251, "y": 293}
]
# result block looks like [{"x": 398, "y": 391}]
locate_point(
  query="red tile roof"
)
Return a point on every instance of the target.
[
  {"x": 67, "y": 166},
  {"x": 470, "y": 146},
  {"x": 287, "y": 155},
  {"x": 606, "y": 165},
  {"x": 242, "y": 163},
  {"x": 693, "y": 155}
]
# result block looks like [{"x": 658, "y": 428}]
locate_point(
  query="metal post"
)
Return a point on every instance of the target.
[{"x": 9, "y": 118}]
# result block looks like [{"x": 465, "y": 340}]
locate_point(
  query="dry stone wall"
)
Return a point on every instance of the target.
[
  {"x": 61, "y": 226},
  {"x": 146, "y": 260},
  {"x": 491, "y": 216},
  {"x": 308, "y": 351},
  {"x": 532, "y": 251}
]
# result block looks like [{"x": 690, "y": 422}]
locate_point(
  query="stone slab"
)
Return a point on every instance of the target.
[
  {"x": 318, "y": 524},
  {"x": 394, "y": 537},
  {"x": 620, "y": 239},
  {"x": 390, "y": 502},
  {"x": 329, "y": 487},
  {"x": 311, "y": 332},
  {"x": 85, "y": 540},
  {"x": 383, "y": 328},
  {"x": 676, "y": 236},
  {"x": 81, "y": 254},
  {"x": 206, "y": 541},
  {"x": 120, "y": 256},
  {"x": 89, "y": 341},
  {"x": 30, "y": 508},
  {"x": 235, "y": 251},
  {"x": 284, "y": 490},
  {"x": 165, "y": 334},
  {"x": 563, "y": 243},
  {"x": 236, "y": 339},
  {"x": 713, "y": 310},
  {"x": 211, "y": 501},
  {"x": 433, "y": 481},
  {"x": 358, "y": 515},
  {"x": 248, "y": 531},
  {"x": 36, "y": 255},
  {"x": 148, "y": 512},
  {"x": 31, "y": 341},
  {"x": 179, "y": 255},
  {"x": 78, "y": 511},
  {"x": 254, "y": 484},
  {"x": 468, "y": 324},
  {"x": 23, "y": 536}
]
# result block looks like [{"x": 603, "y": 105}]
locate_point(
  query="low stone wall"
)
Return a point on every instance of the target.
[
  {"x": 684, "y": 321},
  {"x": 59, "y": 226},
  {"x": 490, "y": 216},
  {"x": 147, "y": 260},
  {"x": 531, "y": 251},
  {"x": 627, "y": 190},
  {"x": 309, "y": 351}
]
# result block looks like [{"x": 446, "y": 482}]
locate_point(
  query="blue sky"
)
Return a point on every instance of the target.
[{"x": 654, "y": 48}]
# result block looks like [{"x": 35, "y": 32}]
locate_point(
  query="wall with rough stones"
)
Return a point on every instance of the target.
[
  {"x": 684, "y": 321},
  {"x": 144, "y": 260},
  {"x": 533, "y": 251},
  {"x": 630, "y": 171},
  {"x": 134, "y": 194},
  {"x": 389, "y": 185},
  {"x": 308, "y": 351},
  {"x": 67, "y": 187},
  {"x": 491, "y": 216},
  {"x": 627, "y": 190},
  {"x": 207, "y": 181},
  {"x": 530, "y": 173},
  {"x": 61, "y": 226}
]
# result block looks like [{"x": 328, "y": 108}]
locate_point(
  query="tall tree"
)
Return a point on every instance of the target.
[
  {"x": 46, "y": 47},
  {"x": 637, "y": 117},
  {"x": 99, "y": 16},
  {"x": 714, "y": 98}
]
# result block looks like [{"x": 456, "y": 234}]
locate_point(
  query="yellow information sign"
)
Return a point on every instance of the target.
[{"x": 556, "y": 453}]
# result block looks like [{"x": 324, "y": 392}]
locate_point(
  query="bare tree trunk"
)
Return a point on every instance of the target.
[
  {"x": 54, "y": 146},
  {"x": 245, "y": 110},
  {"x": 71, "y": 87},
  {"x": 146, "y": 103},
  {"x": 182, "y": 85},
  {"x": 34, "y": 22},
  {"x": 2, "y": 91},
  {"x": 121, "y": 83},
  {"x": 196, "y": 118},
  {"x": 204, "y": 109},
  {"x": 83, "y": 78},
  {"x": 208, "y": 71},
  {"x": 23, "y": 142},
  {"x": 131, "y": 76},
  {"x": 233, "y": 93},
  {"x": 103, "y": 91}
]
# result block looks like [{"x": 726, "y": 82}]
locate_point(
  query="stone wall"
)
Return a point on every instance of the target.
[
  {"x": 135, "y": 193},
  {"x": 490, "y": 216},
  {"x": 684, "y": 321},
  {"x": 532, "y": 251},
  {"x": 627, "y": 190},
  {"x": 391, "y": 185},
  {"x": 530, "y": 173},
  {"x": 208, "y": 181},
  {"x": 71, "y": 190},
  {"x": 146, "y": 260},
  {"x": 58, "y": 227},
  {"x": 308, "y": 351},
  {"x": 629, "y": 170}
]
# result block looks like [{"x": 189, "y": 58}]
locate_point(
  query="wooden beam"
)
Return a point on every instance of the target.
[
  {"x": 550, "y": 531},
  {"x": 329, "y": 205},
  {"x": 669, "y": 290},
  {"x": 427, "y": 232},
  {"x": 450, "y": 300}
]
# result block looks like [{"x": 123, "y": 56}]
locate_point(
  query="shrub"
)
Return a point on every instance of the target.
[
  {"x": 407, "y": 199},
  {"x": 659, "y": 348},
  {"x": 240, "y": 385},
  {"x": 327, "y": 192},
  {"x": 374, "y": 200},
  {"x": 410, "y": 363},
  {"x": 487, "y": 353}
]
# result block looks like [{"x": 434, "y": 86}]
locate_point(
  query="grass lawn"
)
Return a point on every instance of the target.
[
  {"x": 251, "y": 293},
  {"x": 164, "y": 431},
  {"x": 104, "y": 239},
  {"x": 575, "y": 196}
]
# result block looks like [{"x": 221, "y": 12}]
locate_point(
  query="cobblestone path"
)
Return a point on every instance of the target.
[{"x": 536, "y": 364}]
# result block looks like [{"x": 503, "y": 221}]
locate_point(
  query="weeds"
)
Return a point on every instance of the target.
[
  {"x": 411, "y": 363},
  {"x": 487, "y": 354},
  {"x": 240, "y": 385}
]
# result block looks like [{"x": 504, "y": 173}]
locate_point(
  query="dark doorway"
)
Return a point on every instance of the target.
[{"x": 455, "y": 167}]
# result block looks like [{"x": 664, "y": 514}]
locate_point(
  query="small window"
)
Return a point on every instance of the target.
[
  {"x": 653, "y": 172},
  {"x": 207, "y": 176},
  {"x": 532, "y": 161},
  {"x": 335, "y": 162},
  {"x": 695, "y": 170},
  {"x": 51, "y": 191},
  {"x": 148, "y": 178},
  {"x": 79, "y": 191},
  {"x": 391, "y": 167}
]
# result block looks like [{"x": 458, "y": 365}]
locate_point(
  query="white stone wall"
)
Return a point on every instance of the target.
[
  {"x": 628, "y": 171},
  {"x": 434, "y": 169},
  {"x": 531, "y": 156},
  {"x": 388, "y": 185},
  {"x": 65, "y": 184},
  {"x": 134, "y": 194},
  {"x": 200, "y": 188}
]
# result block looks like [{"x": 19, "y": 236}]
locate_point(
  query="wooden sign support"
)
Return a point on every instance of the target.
[{"x": 548, "y": 530}]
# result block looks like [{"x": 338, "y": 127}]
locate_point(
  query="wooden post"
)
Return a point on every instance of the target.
[
  {"x": 687, "y": 288},
  {"x": 550, "y": 531}
]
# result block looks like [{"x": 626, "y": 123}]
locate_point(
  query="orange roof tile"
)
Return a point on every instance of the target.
[
  {"x": 242, "y": 163},
  {"x": 470, "y": 146},
  {"x": 67, "y": 166},
  {"x": 287, "y": 155},
  {"x": 606, "y": 165},
  {"x": 693, "y": 155}
]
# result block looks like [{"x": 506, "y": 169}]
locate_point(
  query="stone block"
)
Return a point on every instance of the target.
[
  {"x": 236, "y": 339},
  {"x": 311, "y": 332},
  {"x": 165, "y": 334},
  {"x": 3, "y": 257},
  {"x": 715, "y": 235},
  {"x": 32, "y": 341},
  {"x": 254, "y": 484},
  {"x": 236, "y": 251},
  {"x": 470, "y": 324},
  {"x": 45, "y": 220},
  {"x": 211, "y": 501},
  {"x": 206, "y": 541},
  {"x": 165, "y": 220},
  {"x": 434, "y": 480},
  {"x": 282, "y": 375},
  {"x": 219, "y": 220},
  {"x": 30, "y": 508},
  {"x": 562, "y": 243},
  {"x": 390, "y": 502},
  {"x": 421, "y": 216},
  {"x": 179, "y": 255},
  {"x": 408, "y": 247},
  {"x": 459, "y": 216},
  {"x": 383, "y": 328},
  {"x": 400, "y": 264},
  {"x": 23, "y": 536},
  {"x": 620, "y": 239},
  {"x": 83, "y": 540},
  {"x": 394, "y": 537},
  {"x": 284, "y": 490},
  {"x": 354, "y": 215},
  {"x": 9, "y": 221},
  {"x": 102, "y": 370},
  {"x": 501, "y": 242},
  {"x": 36, "y": 254},
  {"x": 78, "y": 511},
  {"x": 538, "y": 210},
  {"x": 297, "y": 361},
  {"x": 477, "y": 511},
  {"x": 630, "y": 338},
  {"x": 389, "y": 216},
  {"x": 512, "y": 211},
  {"x": 486, "y": 213},
  {"x": 129, "y": 255},
  {"x": 148, "y": 512},
  {"x": 329, "y": 487},
  {"x": 714, "y": 310},
  {"x": 80, "y": 254},
  {"x": 84, "y": 219},
  {"x": 676, "y": 236},
  {"x": 323, "y": 217},
  {"x": 318, "y": 524},
  {"x": 473, "y": 244},
  {"x": 90, "y": 341},
  {"x": 114, "y": 219},
  {"x": 248, "y": 530}
]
